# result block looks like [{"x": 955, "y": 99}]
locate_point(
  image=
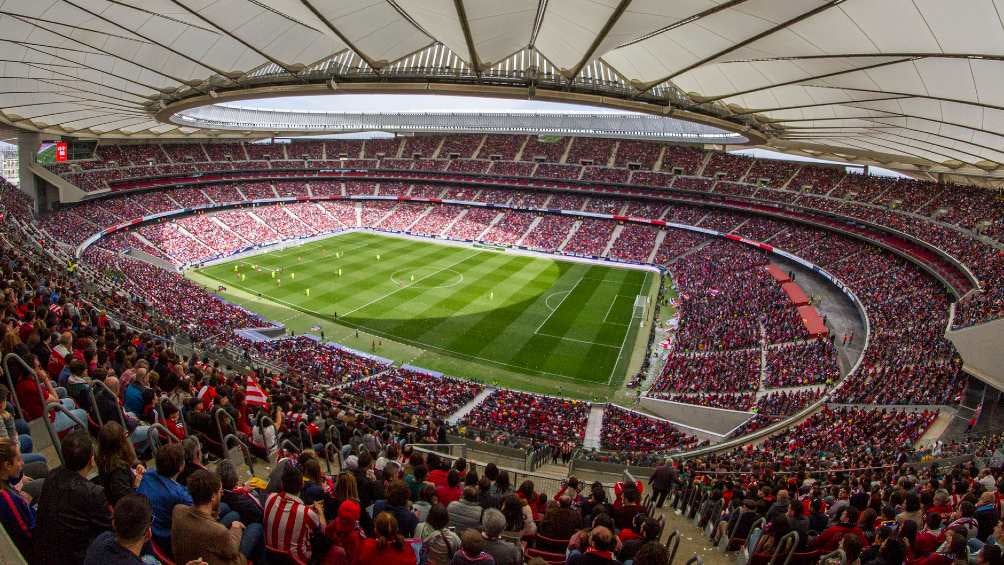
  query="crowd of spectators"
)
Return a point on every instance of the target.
[
  {"x": 520, "y": 415},
  {"x": 591, "y": 238},
  {"x": 800, "y": 364},
  {"x": 413, "y": 392},
  {"x": 731, "y": 372},
  {"x": 625, "y": 430}
]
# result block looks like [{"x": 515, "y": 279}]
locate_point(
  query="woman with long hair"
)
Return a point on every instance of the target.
[
  {"x": 346, "y": 488},
  {"x": 439, "y": 543},
  {"x": 118, "y": 470},
  {"x": 518, "y": 518},
  {"x": 387, "y": 546}
]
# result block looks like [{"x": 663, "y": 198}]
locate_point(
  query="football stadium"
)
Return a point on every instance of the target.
[{"x": 555, "y": 282}]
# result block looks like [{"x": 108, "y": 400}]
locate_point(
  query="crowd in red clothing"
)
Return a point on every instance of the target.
[
  {"x": 629, "y": 431},
  {"x": 543, "y": 419}
]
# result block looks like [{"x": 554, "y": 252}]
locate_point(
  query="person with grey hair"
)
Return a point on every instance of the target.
[
  {"x": 465, "y": 513},
  {"x": 505, "y": 552}
]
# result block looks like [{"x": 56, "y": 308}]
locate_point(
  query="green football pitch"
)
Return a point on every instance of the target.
[{"x": 531, "y": 322}]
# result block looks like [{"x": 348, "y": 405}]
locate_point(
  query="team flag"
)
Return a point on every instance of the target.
[{"x": 254, "y": 395}]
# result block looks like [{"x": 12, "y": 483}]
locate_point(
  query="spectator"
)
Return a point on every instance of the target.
[
  {"x": 131, "y": 520},
  {"x": 662, "y": 480},
  {"x": 163, "y": 491},
  {"x": 465, "y": 513},
  {"x": 518, "y": 518},
  {"x": 602, "y": 544},
  {"x": 288, "y": 522},
  {"x": 345, "y": 532},
  {"x": 16, "y": 513},
  {"x": 986, "y": 515},
  {"x": 439, "y": 543},
  {"x": 472, "y": 550},
  {"x": 503, "y": 552},
  {"x": 195, "y": 533},
  {"x": 237, "y": 497},
  {"x": 560, "y": 520},
  {"x": 387, "y": 546},
  {"x": 830, "y": 538},
  {"x": 118, "y": 470},
  {"x": 72, "y": 511},
  {"x": 396, "y": 504}
]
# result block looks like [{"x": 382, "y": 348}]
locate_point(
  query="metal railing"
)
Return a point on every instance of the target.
[{"x": 42, "y": 421}]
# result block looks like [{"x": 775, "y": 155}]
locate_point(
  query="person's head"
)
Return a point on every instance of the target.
[
  {"x": 990, "y": 555},
  {"x": 933, "y": 521},
  {"x": 512, "y": 509},
  {"x": 205, "y": 488},
  {"x": 385, "y": 530},
  {"x": 398, "y": 494},
  {"x": 912, "y": 502},
  {"x": 312, "y": 470},
  {"x": 650, "y": 528},
  {"x": 851, "y": 544},
  {"x": 114, "y": 448},
  {"x": 453, "y": 478},
  {"x": 908, "y": 531},
  {"x": 565, "y": 501},
  {"x": 472, "y": 542},
  {"x": 849, "y": 515},
  {"x": 78, "y": 451},
  {"x": 956, "y": 546},
  {"x": 491, "y": 472},
  {"x": 131, "y": 519},
  {"x": 228, "y": 474},
  {"x": 795, "y": 509},
  {"x": 346, "y": 487},
  {"x": 10, "y": 459},
  {"x": 651, "y": 553},
  {"x": 438, "y": 517},
  {"x": 602, "y": 538},
  {"x": 193, "y": 451},
  {"x": 170, "y": 460},
  {"x": 526, "y": 490},
  {"x": 892, "y": 550},
  {"x": 364, "y": 461},
  {"x": 493, "y": 523},
  {"x": 292, "y": 480}
]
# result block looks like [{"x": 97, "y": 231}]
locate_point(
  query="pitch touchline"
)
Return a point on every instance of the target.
[{"x": 395, "y": 291}]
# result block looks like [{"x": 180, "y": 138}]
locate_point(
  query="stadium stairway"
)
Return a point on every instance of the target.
[
  {"x": 593, "y": 427},
  {"x": 466, "y": 408}
]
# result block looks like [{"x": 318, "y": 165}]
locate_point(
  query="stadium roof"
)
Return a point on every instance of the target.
[
  {"x": 634, "y": 126},
  {"x": 913, "y": 84}
]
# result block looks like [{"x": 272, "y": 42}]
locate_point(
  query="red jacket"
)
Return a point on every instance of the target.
[
  {"x": 829, "y": 540},
  {"x": 372, "y": 554}
]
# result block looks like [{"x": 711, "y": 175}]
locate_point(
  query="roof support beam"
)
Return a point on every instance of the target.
[
  {"x": 705, "y": 99},
  {"x": 739, "y": 45},
  {"x": 817, "y": 104},
  {"x": 679, "y": 23},
  {"x": 202, "y": 64},
  {"x": 910, "y": 95},
  {"x": 238, "y": 39},
  {"x": 466, "y": 26},
  {"x": 341, "y": 36},
  {"x": 604, "y": 31}
]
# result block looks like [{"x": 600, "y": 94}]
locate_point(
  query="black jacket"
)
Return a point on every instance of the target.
[
  {"x": 662, "y": 478},
  {"x": 116, "y": 483},
  {"x": 72, "y": 511},
  {"x": 244, "y": 504}
]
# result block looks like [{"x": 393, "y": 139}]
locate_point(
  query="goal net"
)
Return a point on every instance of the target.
[{"x": 640, "y": 306}]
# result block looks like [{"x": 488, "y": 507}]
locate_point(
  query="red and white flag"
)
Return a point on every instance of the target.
[{"x": 254, "y": 395}]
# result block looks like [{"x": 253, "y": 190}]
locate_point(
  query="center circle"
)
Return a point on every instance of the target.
[{"x": 403, "y": 278}]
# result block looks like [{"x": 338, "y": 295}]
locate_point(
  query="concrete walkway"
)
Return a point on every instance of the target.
[
  {"x": 593, "y": 427},
  {"x": 466, "y": 408}
]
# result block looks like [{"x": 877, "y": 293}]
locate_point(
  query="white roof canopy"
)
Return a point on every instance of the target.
[{"x": 919, "y": 82}]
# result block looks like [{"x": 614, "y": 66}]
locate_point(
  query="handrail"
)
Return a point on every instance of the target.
[
  {"x": 248, "y": 459},
  {"x": 53, "y": 436},
  {"x": 836, "y": 553},
  {"x": 791, "y": 538},
  {"x": 219, "y": 427},
  {"x": 673, "y": 545},
  {"x": 100, "y": 384},
  {"x": 695, "y": 560},
  {"x": 153, "y": 436}
]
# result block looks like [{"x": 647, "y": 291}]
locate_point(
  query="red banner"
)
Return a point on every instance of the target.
[{"x": 61, "y": 151}]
